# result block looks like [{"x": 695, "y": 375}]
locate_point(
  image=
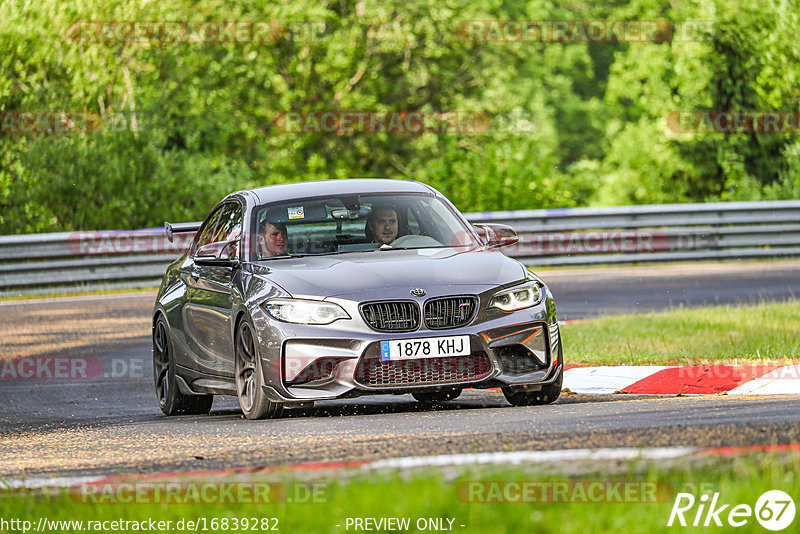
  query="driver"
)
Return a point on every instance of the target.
[
  {"x": 272, "y": 239},
  {"x": 383, "y": 225}
]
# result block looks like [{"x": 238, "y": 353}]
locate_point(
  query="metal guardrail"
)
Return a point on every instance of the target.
[
  {"x": 48, "y": 263},
  {"x": 653, "y": 233}
]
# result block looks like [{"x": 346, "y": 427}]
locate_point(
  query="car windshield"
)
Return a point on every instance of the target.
[{"x": 359, "y": 223}]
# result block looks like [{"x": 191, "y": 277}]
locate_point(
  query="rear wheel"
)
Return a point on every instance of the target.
[
  {"x": 442, "y": 395},
  {"x": 170, "y": 399},
  {"x": 249, "y": 377},
  {"x": 521, "y": 396}
]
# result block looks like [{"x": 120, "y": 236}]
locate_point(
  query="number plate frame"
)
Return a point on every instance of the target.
[{"x": 414, "y": 348}]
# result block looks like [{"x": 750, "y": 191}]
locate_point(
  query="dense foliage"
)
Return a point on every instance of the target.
[{"x": 585, "y": 123}]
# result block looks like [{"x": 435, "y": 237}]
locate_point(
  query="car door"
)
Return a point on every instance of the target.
[{"x": 209, "y": 295}]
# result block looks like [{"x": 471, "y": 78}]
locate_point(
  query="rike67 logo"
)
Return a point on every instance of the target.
[{"x": 774, "y": 510}]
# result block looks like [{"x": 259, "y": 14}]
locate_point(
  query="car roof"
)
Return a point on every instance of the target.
[{"x": 350, "y": 186}]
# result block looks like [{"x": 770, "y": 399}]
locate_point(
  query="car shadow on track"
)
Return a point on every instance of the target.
[
  {"x": 378, "y": 405},
  {"x": 399, "y": 404}
]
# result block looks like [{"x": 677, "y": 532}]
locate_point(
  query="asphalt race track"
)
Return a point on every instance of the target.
[{"x": 111, "y": 424}]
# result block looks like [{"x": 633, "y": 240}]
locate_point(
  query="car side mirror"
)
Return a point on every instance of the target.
[
  {"x": 219, "y": 253},
  {"x": 497, "y": 235}
]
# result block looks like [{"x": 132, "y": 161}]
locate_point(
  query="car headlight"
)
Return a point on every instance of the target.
[
  {"x": 305, "y": 311},
  {"x": 518, "y": 298}
]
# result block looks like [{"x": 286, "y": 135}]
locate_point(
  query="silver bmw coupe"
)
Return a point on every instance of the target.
[{"x": 310, "y": 291}]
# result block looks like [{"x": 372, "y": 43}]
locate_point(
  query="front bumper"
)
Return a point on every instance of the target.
[{"x": 305, "y": 363}]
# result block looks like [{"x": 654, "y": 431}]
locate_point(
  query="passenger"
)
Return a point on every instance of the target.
[
  {"x": 382, "y": 226},
  {"x": 272, "y": 239}
]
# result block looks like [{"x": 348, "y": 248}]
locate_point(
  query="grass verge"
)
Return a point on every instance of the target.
[
  {"x": 78, "y": 293},
  {"x": 762, "y": 334},
  {"x": 482, "y": 500}
]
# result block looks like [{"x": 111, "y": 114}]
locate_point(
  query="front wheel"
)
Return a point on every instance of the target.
[
  {"x": 249, "y": 377},
  {"x": 520, "y": 396},
  {"x": 170, "y": 399}
]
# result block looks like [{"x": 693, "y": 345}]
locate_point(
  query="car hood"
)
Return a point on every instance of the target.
[{"x": 383, "y": 272}]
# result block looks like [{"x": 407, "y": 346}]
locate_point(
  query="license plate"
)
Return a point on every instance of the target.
[{"x": 430, "y": 347}]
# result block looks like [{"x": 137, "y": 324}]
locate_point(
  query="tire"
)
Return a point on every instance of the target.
[
  {"x": 520, "y": 396},
  {"x": 170, "y": 399},
  {"x": 250, "y": 379},
  {"x": 432, "y": 397}
]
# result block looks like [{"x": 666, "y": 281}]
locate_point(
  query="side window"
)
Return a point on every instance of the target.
[
  {"x": 224, "y": 225},
  {"x": 229, "y": 227},
  {"x": 206, "y": 232}
]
